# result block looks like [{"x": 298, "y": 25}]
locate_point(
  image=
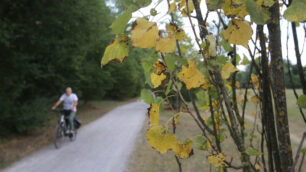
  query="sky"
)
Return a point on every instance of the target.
[{"x": 162, "y": 9}]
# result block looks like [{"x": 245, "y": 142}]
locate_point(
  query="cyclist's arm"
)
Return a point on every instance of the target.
[
  {"x": 56, "y": 104},
  {"x": 75, "y": 103}
]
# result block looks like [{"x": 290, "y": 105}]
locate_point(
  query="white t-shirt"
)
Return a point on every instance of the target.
[{"x": 69, "y": 101}]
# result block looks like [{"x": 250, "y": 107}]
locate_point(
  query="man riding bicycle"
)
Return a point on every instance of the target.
[{"x": 70, "y": 106}]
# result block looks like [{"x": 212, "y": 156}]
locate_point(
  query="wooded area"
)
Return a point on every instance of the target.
[{"x": 48, "y": 45}]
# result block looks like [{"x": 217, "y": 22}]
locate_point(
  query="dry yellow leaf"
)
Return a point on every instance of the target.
[
  {"x": 206, "y": 85},
  {"x": 255, "y": 99},
  {"x": 166, "y": 44},
  {"x": 238, "y": 32},
  {"x": 227, "y": 69},
  {"x": 211, "y": 50},
  {"x": 159, "y": 67},
  {"x": 217, "y": 160},
  {"x": 183, "y": 7},
  {"x": 237, "y": 84},
  {"x": 154, "y": 115},
  {"x": 144, "y": 33},
  {"x": 157, "y": 79},
  {"x": 160, "y": 139},
  {"x": 172, "y": 7},
  {"x": 179, "y": 32},
  {"x": 176, "y": 118},
  {"x": 183, "y": 150},
  {"x": 234, "y": 8},
  {"x": 257, "y": 166},
  {"x": 254, "y": 80},
  {"x": 191, "y": 76}
]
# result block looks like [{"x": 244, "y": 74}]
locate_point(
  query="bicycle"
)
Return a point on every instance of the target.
[{"x": 62, "y": 129}]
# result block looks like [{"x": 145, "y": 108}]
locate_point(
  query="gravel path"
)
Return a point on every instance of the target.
[{"x": 103, "y": 145}]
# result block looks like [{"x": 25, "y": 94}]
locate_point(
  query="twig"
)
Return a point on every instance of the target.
[{"x": 298, "y": 152}]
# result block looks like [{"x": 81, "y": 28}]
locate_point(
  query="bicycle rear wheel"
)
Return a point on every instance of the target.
[{"x": 58, "y": 137}]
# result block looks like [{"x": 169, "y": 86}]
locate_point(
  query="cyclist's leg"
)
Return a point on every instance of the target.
[{"x": 71, "y": 118}]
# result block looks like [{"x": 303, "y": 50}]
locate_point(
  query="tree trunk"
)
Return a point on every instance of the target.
[
  {"x": 278, "y": 85},
  {"x": 267, "y": 106}
]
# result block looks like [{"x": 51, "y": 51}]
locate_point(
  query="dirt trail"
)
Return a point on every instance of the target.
[{"x": 103, "y": 145}]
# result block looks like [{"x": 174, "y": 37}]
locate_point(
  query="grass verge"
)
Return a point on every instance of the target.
[
  {"x": 146, "y": 159},
  {"x": 18, "y": 147}
]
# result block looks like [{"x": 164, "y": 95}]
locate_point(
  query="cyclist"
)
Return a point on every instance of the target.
[{"x": 70, "y": 106}]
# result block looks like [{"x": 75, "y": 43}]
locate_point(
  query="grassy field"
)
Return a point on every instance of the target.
[
  {"x": 146, "y": 159},
  {"x": 13, "y": 149}
]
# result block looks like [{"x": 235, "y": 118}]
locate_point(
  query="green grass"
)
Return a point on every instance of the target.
[
  {"x": 16, "y": 148},
  {"x": 146, "y": 159}
]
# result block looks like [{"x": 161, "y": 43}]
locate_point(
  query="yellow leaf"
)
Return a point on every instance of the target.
[
  {"x": 183, "y": 7},
  {"x": 117, "y": 51},
  {"x": 255, "y": 99},
  {"x": 217, "y": 160},
  {"x": 238, "y": 32},
  {"x": 237, "y": 84},
  {"x": 179, "y": 32},
  {"x": 211, "y": 50},
  {"x": 234, "y": 8},
  {"x": 154, "y": 115},
  {"x": 159, "y": 67},
  {"x": 172, "y": 7},
  {"x": 254, "y": 80},
  {"x": 206, "y": 85},
  {"x": 191, "y": 76},
  {"x": 176, "y": 119},
  {"x": 157, "y": 79},
  {"x": 166, "y": 44},
  {"x": 227, "y": 69},
  {"x": 253, "y": 113},
  {"x": 245, "y": 126},
  {"x": 183, "y": 150},
  {"x": 160, "y": 139},
  {"x": 144, "y": 33},
  {"x": 257, "y": 166}
]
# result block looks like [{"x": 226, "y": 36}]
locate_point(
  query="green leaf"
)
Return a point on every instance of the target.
[
  {"x": 170, "y": 61},
  {"x": 214, "y": 4},
  {"x": 168, "y": 87},
  {"x": 158, "y": 101},
  {"x": 153, "y": 12},
  {"x": 296, "y": 11},
  {"x": 302, "y": 101},
  {"x": 226, "y": 45},
  {"x": 117, "y": 51},
  {"x": 252, "y": 152},
  {"x": 146, "y": 96},
  {"x": 258, "y": 14},
  {"x": 245, "y": 61},
  {"x": 201, "y": 143},
  {"x": 303, "y": 150},
  {"x": 221, "y": 60},
  {"x": 202, "y": 99},
  {"x": 238, "y": 59},
  {"x": 119, "y": 24}
]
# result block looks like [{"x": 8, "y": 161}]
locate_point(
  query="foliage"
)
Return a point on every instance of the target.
[
  {"x": 49, "y": 45},
  {"x": 206, "y": 76}
]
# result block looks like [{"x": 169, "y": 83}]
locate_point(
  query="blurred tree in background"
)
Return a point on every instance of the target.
[{"x": 48, "y": 45}]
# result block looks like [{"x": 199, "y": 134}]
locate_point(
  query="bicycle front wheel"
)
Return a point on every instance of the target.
[{"x": 58, "y": 137}]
